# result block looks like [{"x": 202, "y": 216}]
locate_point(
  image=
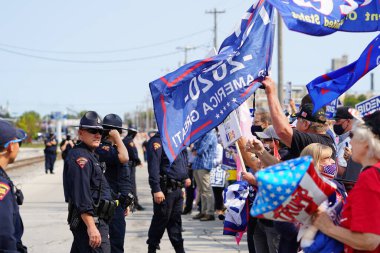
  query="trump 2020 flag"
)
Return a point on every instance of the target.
[
  {"x": 324, "y": 17},
  {"x": 199, "y": 96},
  {"x": 329, "y": 87},
  {"x": 237, "y": 211},
  {"x": 290, "y": 191}
]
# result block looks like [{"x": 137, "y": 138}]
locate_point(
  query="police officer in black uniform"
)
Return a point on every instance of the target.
[
  {"x": 86, "y": 189},
  {"x": 134, "y": 161},
  {"x": 166, "y": 182},
  {"x": 66, "y": 145},
  {"x": 113, "y": 152},
  {"x": 50, "y": 153},
  {"x": 11, "y": 227}
]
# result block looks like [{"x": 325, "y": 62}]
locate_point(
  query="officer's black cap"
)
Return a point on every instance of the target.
[
  {"x": 91, "y": 120},
  {"x": 113, "y": 121},
  {"x": 8, "y": 133},
  {"x": 132, "y": 129}
]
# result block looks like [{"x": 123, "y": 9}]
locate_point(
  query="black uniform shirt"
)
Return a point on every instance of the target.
[
  {"x": 158, "y": 163},
  {"x": 117, "y": 174},
  {"x": 132, "y": 151},
  {"x": 11, "y": 228},
  {"x": 51, "y": 149},
  {"x": 83, "y": 179}
]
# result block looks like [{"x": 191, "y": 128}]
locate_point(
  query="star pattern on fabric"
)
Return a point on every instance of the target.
[{"x": 277, "y": 184}]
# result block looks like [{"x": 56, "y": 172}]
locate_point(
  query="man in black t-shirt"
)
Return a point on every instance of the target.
[{"x": 310, "y": 128}]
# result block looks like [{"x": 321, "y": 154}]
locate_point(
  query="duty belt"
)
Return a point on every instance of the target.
[{"x": 105, "y": 209}]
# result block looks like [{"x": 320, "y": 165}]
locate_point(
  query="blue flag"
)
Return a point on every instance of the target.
[
  {"x": 324, "y": 17},
  {"x": 197, "y": 97},
  {"x": 236, "y": 202},
  {"x": 328, "y": 87}
]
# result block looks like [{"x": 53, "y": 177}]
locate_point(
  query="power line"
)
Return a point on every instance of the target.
[
  {"x": 87, "y": 61},
  {"x": 105, "y": 51}
]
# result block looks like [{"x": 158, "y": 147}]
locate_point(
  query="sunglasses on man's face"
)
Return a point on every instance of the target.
[
  {"x": 19, "y": 141},
  {"x": 94, "y": 130}
]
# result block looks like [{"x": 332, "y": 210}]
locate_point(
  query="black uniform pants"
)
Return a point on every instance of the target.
[
  {"x": 117, "y": 231},
  {"x": 167, "y": 215},
  {"x": 81, "y": 240},
  {"x": 49, "y": 162}
]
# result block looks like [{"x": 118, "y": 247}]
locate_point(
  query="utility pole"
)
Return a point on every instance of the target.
[
  {"x": 185, "y": 50},
  {"x": 215, "y": 12},
  {"x": 280, "y": 81},
  {"x": 147, "y": 115}
]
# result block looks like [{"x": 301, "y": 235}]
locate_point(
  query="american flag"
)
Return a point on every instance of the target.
[
  {"x": 329, "y": 171},
  {"x": 290, "y": 191},
  {"x": 235, "y": 201}
]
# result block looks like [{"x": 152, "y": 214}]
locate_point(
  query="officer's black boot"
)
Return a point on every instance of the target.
[
  {"x": 152, "y": 249},
  {"x": 179, "y": 249}
]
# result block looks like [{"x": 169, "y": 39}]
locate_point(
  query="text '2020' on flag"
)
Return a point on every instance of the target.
[
  {"x": 199, "y": 96},
  {"x": 329, "y": 87},
  {"x": 324, "y": 17},
  {"x": 290, "y": 191}
]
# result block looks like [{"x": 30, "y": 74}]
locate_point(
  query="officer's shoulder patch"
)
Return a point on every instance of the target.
[
  {"x": 4, "y": 189},
  {"x": 106, "y": 148},
  {"x": 131, "y": 144},
  {"x": 81, "y": 161},
  {"x": 156, "y": 145}
]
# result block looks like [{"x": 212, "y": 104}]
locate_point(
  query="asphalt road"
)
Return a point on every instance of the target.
[{"x": 44, "y": 214}]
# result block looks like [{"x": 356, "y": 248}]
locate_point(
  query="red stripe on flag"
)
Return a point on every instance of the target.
[
  {"x": 232, "y": 230},
  {"x": 326, "y": 77},
  {"x": 367, "y": 61},
  {"x": 196, "y": 131},
  {"x": 165, "y": 127},
  {"x": 256, "y": 8},
  {"x": 170, "y": 84},
  {"x": 326, "y": 188},
  {"x": 324, "y": 91},
  {"x": 248, "y": 89}
]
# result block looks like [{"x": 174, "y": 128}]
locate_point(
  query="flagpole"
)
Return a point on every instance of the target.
[
  {"x": 280, "y": 80},
  {"x": 240, "y": 157}
]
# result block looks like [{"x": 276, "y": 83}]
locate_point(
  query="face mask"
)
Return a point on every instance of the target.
[
  {"x": 255, "y": 129},
  {"x": 338, "y": 129},
  {"x": 329, "y": 171}
]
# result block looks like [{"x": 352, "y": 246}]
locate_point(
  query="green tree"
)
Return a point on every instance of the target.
[
  {"x": 361, "y": 98},
  {"x": 30, "y": 122},
  {"x": 81, "y": 113},
  {"x": 350, "y": 100}
]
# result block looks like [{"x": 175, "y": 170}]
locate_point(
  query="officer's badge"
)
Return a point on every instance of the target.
[
  {"x": 156, "y": 145},
  {"x": 4, "y": 189},
  {"x": 106, "y": 148},
  {"x": 81, "y": 161}
]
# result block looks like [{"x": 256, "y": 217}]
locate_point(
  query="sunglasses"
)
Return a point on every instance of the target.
[
  {"x": 93, "y": 130},
  {"x": 19, "y": 141}
]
